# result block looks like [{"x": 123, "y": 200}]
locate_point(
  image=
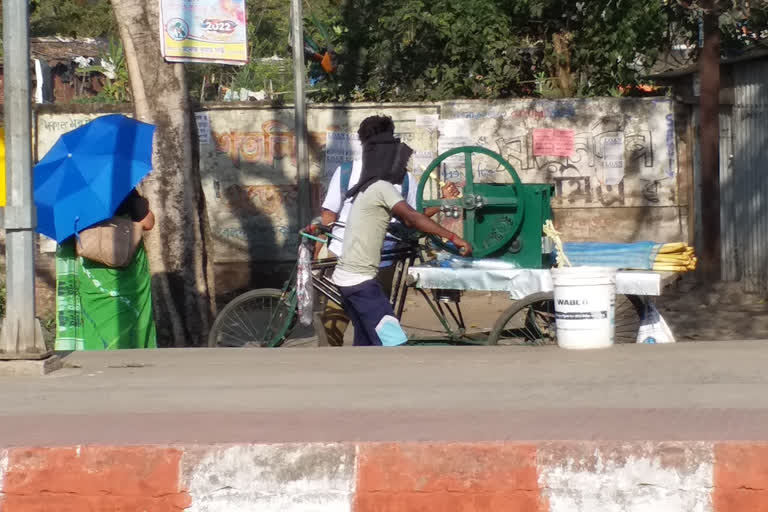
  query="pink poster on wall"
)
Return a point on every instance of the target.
[{"x": 551, "y": 142}]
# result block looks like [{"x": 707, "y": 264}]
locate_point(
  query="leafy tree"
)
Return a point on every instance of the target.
[
  {"x": 609, "y": 43},
  {"x": 180, "y": 247},
  {"x": 74, "y": 18},
  {"x": 419, "y": 49},
  {"x": 743, "y": 23},
  {"x": 439, "y": 49}
]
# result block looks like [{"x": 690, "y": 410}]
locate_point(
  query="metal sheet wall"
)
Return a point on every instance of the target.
[
  {"x": 731, "y": 264},
  {"x": 744, "y": 189}
]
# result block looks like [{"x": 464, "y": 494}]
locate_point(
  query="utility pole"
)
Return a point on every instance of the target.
[
  {"x": 21, "y": 336},
  {"x": 300, "y": 114},
  {"x": 709, "y": 73}
]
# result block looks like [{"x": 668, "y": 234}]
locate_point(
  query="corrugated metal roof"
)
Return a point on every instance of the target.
[{"x": 752, "y": 55}]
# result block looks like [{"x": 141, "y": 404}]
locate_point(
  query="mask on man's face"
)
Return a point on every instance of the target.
[
  {"x": 384, "y": 158},
  {"x": 397, "y": 171}
]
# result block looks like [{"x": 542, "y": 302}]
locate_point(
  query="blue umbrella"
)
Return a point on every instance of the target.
[{"x": 88, "y": 172}]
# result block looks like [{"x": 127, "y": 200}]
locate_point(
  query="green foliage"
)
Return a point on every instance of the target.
[
  {"x": 429, "y": 50},
  {"x": 745, "y": 29},
  {"x": 266, "y": 75},
  {"x": 268, "y": 36},
  {"x": 117, "y": 89},
  {"x": 73, "y": 18},
  {"x": 743, "y": 25},
  {"x": 426, "y": 50},
  {"x": 607, "y": 58},
  {"x": 408, "y": 50},
  {"x": 268, "y": 27}
]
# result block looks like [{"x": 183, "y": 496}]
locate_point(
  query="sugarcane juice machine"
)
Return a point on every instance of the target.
[{"x": 501, "y": 220}]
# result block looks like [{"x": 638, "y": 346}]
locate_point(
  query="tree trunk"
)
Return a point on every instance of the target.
[
  {"x": 709, "y": 72},
  {"x": 180, "y": 246},
  {"x": 561, "y": 43}
]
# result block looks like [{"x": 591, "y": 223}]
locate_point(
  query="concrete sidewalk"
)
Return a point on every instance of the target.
[
  {"x": 633, "y": 428},
  {"x": 701, "y": 391}
]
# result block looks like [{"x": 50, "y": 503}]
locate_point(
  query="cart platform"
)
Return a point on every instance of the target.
[{"x": 520, "y": 283}]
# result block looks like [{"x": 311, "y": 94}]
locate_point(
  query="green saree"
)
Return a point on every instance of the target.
[{"x": 102, "y": 308}]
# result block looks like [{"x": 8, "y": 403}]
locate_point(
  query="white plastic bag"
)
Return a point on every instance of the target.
[
  {"x": 305, "y": 296},
  {"x": 653, "y": 327}
]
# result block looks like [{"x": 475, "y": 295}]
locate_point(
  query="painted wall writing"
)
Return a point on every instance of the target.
[
  {"x": 607, "y": 159},
  {"x": 248, "y": 169},
  {"x": 52, "y": 126},
  {"x": 275, "y": 141},
  {"x": 601, "y": 152},
  {"x": 598, "y": 153}
]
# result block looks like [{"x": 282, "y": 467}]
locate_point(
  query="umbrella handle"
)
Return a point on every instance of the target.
[{"x": 77, "y": 233}]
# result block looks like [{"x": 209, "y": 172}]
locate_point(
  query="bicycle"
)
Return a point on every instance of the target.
[{"x": 266, "y": 317}]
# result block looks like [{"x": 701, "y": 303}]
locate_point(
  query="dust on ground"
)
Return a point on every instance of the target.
[
  {"x": 697, "y": 310},
  {"x": 480, "y": 311}
]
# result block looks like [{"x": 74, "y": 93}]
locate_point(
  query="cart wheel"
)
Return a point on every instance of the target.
[
  {"x": 258, "y": 318},
  {"x": 531, "y": 321}
]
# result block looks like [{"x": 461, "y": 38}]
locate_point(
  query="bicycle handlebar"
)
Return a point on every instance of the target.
[{"x": 313, "y": 230}]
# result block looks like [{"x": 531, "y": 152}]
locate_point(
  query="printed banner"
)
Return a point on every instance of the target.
[{"x": 203, "y": 31}]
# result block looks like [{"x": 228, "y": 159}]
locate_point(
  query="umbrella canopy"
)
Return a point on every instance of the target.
[{"x": 88, "y": 172}]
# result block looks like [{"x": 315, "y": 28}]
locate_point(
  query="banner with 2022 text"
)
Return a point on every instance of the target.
[{"x": 204, "y": 31}]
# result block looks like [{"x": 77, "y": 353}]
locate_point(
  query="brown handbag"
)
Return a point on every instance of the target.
[{"x": 112, "y": 242}]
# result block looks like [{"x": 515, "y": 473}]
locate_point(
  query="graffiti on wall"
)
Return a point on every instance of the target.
[
  {"x": 596, "y": 153},
  {"x": 259, "y": 220},
  {"x": 249, "y": 170},
  {"x": 618, "y": 154},
  {"x": 592, "y": 173},
  {"x": 275, "y": 142}
]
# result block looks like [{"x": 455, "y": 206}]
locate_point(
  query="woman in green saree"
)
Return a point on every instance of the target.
[{"x": 104, "y": 308}]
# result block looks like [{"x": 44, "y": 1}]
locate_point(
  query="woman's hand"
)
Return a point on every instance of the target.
[{"x": 148, "y": 222}]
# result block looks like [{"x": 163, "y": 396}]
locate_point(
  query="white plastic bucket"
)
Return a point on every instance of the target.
[{"x": 585, "y": 303}]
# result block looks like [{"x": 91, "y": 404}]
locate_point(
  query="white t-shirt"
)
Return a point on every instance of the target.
[{"x": 333, "y": 202}]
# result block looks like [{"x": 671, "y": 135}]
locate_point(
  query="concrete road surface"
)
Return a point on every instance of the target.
[{"x": 691, "y": 391}]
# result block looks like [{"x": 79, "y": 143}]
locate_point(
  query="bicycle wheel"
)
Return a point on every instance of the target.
[
  {"x": 258, "y": 318},
  {"x": 531, "y": 321}
]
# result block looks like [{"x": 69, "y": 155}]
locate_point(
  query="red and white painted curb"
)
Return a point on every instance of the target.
[{"x": 389, "y": 477}]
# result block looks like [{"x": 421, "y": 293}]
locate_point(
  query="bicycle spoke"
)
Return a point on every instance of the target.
[
  {"x": 535, "y": 323},
  {"x": 257, "y": 321},
  {"x": 244, "y": 320}
]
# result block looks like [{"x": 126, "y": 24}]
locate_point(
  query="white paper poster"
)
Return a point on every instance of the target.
[
  {"x": 203, "y": 121},
  {"x": 428, "y": 122},
  {"x": 454, "y": 133},
  {"x": 613, "y": 159},
  {"x": 421, "y": 160},
  {"x": 341, "y": 147}
]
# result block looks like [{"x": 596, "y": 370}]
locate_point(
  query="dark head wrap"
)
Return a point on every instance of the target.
[{"x": 384, "y": 158}]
